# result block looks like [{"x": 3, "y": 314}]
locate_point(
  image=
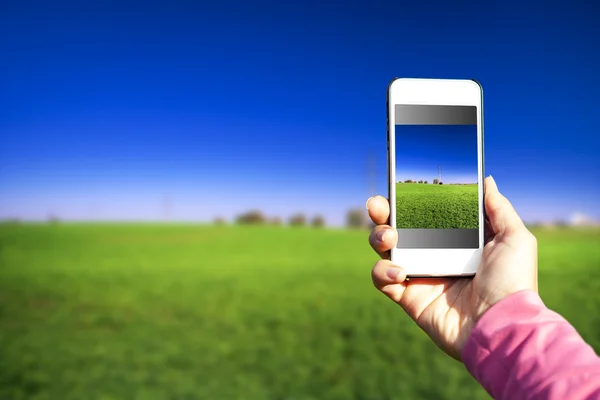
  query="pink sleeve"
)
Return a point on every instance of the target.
[{"x": 520, "y": 349}]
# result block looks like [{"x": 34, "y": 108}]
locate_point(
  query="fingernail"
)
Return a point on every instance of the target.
[
  {"x": 393, "y": 273},
  {"x": 493, "y": 182},
  {"x": 367, "y": 205},
  {"x": 381, "y": 235}
]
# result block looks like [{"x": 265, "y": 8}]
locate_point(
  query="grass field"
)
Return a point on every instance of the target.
[
  {"x": 198, "y": 312},
  {"x": 427, "y": 206}
]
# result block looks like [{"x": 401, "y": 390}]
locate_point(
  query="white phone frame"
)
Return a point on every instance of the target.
[{"x": 435, "y": 261}]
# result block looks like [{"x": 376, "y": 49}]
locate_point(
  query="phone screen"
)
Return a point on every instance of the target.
[{"x": 437, "y": 196}]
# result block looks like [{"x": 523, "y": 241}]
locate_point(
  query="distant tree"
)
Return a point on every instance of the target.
[
  {"x": 408, "y": 181},
  {"x": 441, "y": 183},
  {"x": 219, "y": 221},
  {"x": 421, "y": 181},
  {"x": 561, "y": 223},
  {"x": 10, "y": 221},
  {"x": 425, "y": 182},
  {"x": 356, "y": 218},
  {"x": 533, "y": 224},
  {"x": 318, "y": 221},
  {"x": 436, "y": 181},
  {"x": 253, "y": 217},
  {"x": 275, "y": 221},
  {"x": 298, "y": 220}
]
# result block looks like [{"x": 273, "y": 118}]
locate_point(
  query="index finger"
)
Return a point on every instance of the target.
[{"x": 379, "y": 210}]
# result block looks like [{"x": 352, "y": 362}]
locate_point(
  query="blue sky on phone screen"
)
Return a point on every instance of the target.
[{"x": 423, "y": 150}]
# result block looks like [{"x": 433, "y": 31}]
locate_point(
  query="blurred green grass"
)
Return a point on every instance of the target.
[{"x": 199, "y": 312}]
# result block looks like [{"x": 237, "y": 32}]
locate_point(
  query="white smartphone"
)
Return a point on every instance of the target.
[{"x": 436, "y": 170}]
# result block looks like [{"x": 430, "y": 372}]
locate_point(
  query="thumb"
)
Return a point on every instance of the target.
[{"x": 500, "y": 212}]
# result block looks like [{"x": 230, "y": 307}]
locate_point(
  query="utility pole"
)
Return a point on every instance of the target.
[{"x": 439, "y": 173}]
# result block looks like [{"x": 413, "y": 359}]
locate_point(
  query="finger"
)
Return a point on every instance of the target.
[
  {"x": 390, "y": 279},
  {"x": 379, "y": 210},
  {"x": 488, "y": 230},
  {"x": 500, "y": 212},
  {"x": 382, "y": 239}
]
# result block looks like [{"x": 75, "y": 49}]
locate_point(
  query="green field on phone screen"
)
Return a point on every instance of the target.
[
  {"x": 226, "y": 312},
  {"x": 429, "y": 206}
]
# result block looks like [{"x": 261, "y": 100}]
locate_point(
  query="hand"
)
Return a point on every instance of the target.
[{"x": 447, "y": 309}]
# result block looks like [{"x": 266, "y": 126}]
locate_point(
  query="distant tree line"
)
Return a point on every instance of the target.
[
  {"x": 436, "y": 181},
  {"x": 358, "y": 219},
  {"x": 256, "y": 217},
  {"x": 355, "y": 218}
]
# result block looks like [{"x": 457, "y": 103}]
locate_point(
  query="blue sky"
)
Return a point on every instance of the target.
[
  {"x": 187, "y": 110},
  {"x": 421, "y": 149}
]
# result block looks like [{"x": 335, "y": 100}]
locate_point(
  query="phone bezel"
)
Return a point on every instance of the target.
[{"x": 436, "y": 262}]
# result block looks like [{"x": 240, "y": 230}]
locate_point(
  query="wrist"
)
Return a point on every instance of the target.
[
  {"x": 465, "y": 333},
  {"x": 499, "y": 314},
  {"x": 482, "y": 313}
]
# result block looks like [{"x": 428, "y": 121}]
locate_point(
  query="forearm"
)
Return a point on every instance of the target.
[{"x": 522, "y": 350}]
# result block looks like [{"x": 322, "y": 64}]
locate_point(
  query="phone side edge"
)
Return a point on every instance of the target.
[
  {"x": 389, "y": 158},
  {"x": 482, "y": 149}
]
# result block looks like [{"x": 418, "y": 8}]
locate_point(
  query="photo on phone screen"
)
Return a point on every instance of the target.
[{"x": 437, "y": 197}]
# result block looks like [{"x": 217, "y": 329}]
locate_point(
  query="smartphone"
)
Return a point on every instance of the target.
[{"x": 436, "y": 170}]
